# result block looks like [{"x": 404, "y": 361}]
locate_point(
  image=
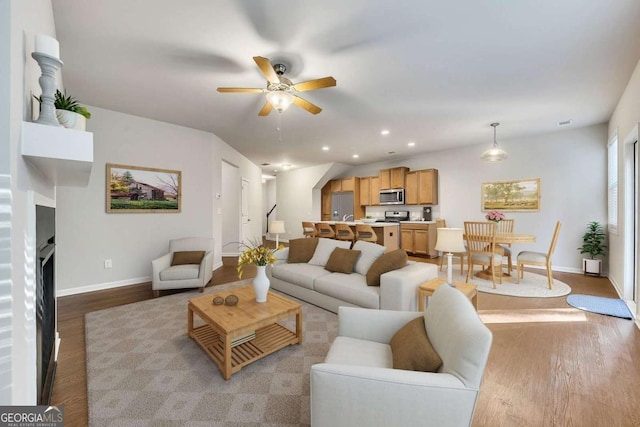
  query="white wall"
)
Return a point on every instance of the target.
[
  {"x": 571, "y": 165},
  {"x": 269, "y": 199},
  {"x": 624, "y": 122},
  {"x": 87, "y": 235},
  {"x": 27, "y": 18}
]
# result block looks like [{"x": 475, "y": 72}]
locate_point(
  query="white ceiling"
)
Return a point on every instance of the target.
[{"x": 435, "y": 72}]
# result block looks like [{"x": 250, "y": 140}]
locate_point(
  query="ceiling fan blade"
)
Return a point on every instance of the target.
[
  {"x": 240, "y": 89},
  {"x": 303, "y": 103},
  {"x": 266, "y": 109},
  {"x": 315, "y": 84},
  {"x": 267, "y": 69}
]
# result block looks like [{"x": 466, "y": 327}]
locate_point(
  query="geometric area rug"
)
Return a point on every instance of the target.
[
  {"x": 531, "y": 286},
  {"x": 607, "y": 306},
  {"x": 143, "y": 370}
]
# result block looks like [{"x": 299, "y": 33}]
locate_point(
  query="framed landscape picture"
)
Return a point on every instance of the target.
[
  {"x": 518, "y": 195},
  {"x": 135, "y": 189}
]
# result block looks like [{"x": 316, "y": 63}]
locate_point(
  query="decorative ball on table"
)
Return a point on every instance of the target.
[
  {"x": 261, "y": 256},
  {"x": 495, "y": 216}
]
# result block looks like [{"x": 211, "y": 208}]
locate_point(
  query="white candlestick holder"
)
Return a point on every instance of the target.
[{"x": 49, "y": 65}]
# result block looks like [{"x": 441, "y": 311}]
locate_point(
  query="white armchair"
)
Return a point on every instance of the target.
[
  {"x": 167, "y": 276},
  {"x": 357, "y": 384}
]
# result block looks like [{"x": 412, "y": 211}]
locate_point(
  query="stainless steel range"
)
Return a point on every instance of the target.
[{"x": 395, "y": 216}]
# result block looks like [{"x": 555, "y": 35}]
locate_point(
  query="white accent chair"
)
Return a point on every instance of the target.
[
  {"x": 166, "y": 276},
  {"x": 357, "y": 385}
]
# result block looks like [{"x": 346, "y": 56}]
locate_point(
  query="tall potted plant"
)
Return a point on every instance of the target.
[{"x": 593, "y": 244}]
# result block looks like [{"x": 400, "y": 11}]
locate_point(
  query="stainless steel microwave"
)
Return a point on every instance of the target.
[{"x": 392, "y": 197}]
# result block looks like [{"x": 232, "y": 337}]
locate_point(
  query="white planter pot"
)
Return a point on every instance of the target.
[
  {"x": 71, "y": 120},
  {"x": 592, "y": 266}
]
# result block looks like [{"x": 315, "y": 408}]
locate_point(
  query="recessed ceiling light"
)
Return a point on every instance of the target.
[
  {"x": 355, "y": 156},
  {"x": 325, "y": 148},
  {"x": 411, "y": 144},
  {"x": 384, "y": 132},
  {"x": 564, "y": 122},
  {"x": 275, "y": 170}
]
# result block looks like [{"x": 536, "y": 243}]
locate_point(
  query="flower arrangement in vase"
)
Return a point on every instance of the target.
[
  {"x": 260, "y": 255},
  {"x": 495, "y": 216}
]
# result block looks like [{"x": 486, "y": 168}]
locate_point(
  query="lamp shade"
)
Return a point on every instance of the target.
[
  {"x": 280, "y": 100},
  {"x": 450, "y": 240},
  {"x": 276, "y": 227},
  {"x": 494, "y": 154}
]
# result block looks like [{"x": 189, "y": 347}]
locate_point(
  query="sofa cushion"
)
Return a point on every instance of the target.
[
  {"x": 301, "y": 250},
  {"x": 187, "y": 257},
  {"x": 357, "y": 352},
  {"x": 300, "y": 274},
  {"x": 370, "y": 252},
  {"x": 350, "y": 288},
  {"x": 342, "y": 260},
  {"x": 325, "y": 248},
  {"x": 180, "y": 272},
  {"x": 388, "y": 262},
  {"x": 412, "y": 350}
]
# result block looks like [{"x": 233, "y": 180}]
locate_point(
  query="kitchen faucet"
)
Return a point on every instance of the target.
[{"x": 346, "y": 217}]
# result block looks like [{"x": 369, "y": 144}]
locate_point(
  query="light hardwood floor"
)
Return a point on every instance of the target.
[{"x": 583, "y": 370}]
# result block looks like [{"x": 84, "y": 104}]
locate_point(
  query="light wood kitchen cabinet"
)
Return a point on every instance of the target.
[
  {"x": 325, "y": 210},
  {"x": 421, "y": 187},
  {"x": 392, "y": 178},
  {"x": 344, "y": 184},
  {"x": 369, "y": 191},
  {"x": 419, "y": 239}
]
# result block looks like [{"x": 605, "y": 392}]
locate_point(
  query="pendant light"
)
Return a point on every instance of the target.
[{"x": 494, "y": 154}]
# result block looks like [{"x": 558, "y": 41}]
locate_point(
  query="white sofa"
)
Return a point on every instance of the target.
[
  {"x": 314, "y": 284},
  {"x": 357, "y": 384}
]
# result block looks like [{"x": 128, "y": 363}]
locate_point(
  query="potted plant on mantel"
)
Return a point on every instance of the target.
[
  {"x": 593, "y": 244},
  {"x": 69, "y": 112}
]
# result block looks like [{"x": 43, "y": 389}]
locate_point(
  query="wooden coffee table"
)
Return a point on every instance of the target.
[
  {"x": 226, "y": 324},
  {"x": 428, "y": 288}
]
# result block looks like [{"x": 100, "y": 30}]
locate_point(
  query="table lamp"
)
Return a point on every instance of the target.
[
  {"x": 450, "y": 240},
  {"x": 276, "y": 227}
]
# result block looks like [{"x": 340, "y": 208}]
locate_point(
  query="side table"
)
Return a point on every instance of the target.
[{"x": 428, "y": 288}]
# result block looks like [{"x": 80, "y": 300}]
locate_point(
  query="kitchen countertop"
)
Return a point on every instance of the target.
[{"x": 373, "y": 224}]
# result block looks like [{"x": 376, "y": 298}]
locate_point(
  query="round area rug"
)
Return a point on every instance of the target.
[{"x": 531, "y": 286}]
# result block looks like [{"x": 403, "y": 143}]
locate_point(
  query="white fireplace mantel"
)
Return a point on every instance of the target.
[{"x": 64, "y": 156}]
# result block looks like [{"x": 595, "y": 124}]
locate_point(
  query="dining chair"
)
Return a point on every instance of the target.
[
  {"x": 366, "y": 232},
  {"x": 481, "y": 248},
  {"x": 505, "y": 226},
  {"x": 344, "y": 232},
  {"x": 309, "y": 229},
  {"x": 325, "y": 230},
  {"x": 441, "y": 223},
  {"x": 538, "y": 258}
]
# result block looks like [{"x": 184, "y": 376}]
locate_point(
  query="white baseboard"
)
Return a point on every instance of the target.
[{"x": 109, "y": 285}]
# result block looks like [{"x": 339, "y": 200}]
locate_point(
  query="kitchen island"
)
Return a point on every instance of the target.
[{"x": 388, "y": 232}]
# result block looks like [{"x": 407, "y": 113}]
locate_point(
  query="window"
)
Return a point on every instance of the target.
[{"x": 612, "y": 185}]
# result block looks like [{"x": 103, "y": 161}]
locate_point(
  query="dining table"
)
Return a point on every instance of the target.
[{"x": 506, "y": 239}]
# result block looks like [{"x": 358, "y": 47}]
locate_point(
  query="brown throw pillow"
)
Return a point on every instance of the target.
[
  {"x": 342, "y": 260},
  {"x": 412, "y": 350},
  {"x": 301, "y": 250},
  {"x": 387, "y": 262},
  {"x": 187, "y": 257}
]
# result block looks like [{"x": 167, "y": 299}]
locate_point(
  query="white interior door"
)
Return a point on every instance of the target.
[{"x": 245, "y": 229}]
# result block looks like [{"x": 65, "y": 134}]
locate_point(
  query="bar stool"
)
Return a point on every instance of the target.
[
  {"x": 365, "y": 232},
  {"x": 344, "y": 232},
  {"x": 309, "y": 229},
  {"x": 325, "y": 230}
]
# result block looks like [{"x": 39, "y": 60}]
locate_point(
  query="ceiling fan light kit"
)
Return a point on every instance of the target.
[
  {"x": 280, "y": 90},
  {"x": 495, "y": 153}
]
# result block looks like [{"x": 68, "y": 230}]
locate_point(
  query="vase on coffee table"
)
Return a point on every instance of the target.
[{"x": 261, "y": 284}]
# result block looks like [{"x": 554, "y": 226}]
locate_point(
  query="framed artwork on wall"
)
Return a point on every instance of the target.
[
  {"x": 136, "y": 189},
  {"x": 518, "y": 195}
]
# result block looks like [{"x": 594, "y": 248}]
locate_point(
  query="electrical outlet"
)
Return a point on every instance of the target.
[{"x": 107, "y": 263}]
